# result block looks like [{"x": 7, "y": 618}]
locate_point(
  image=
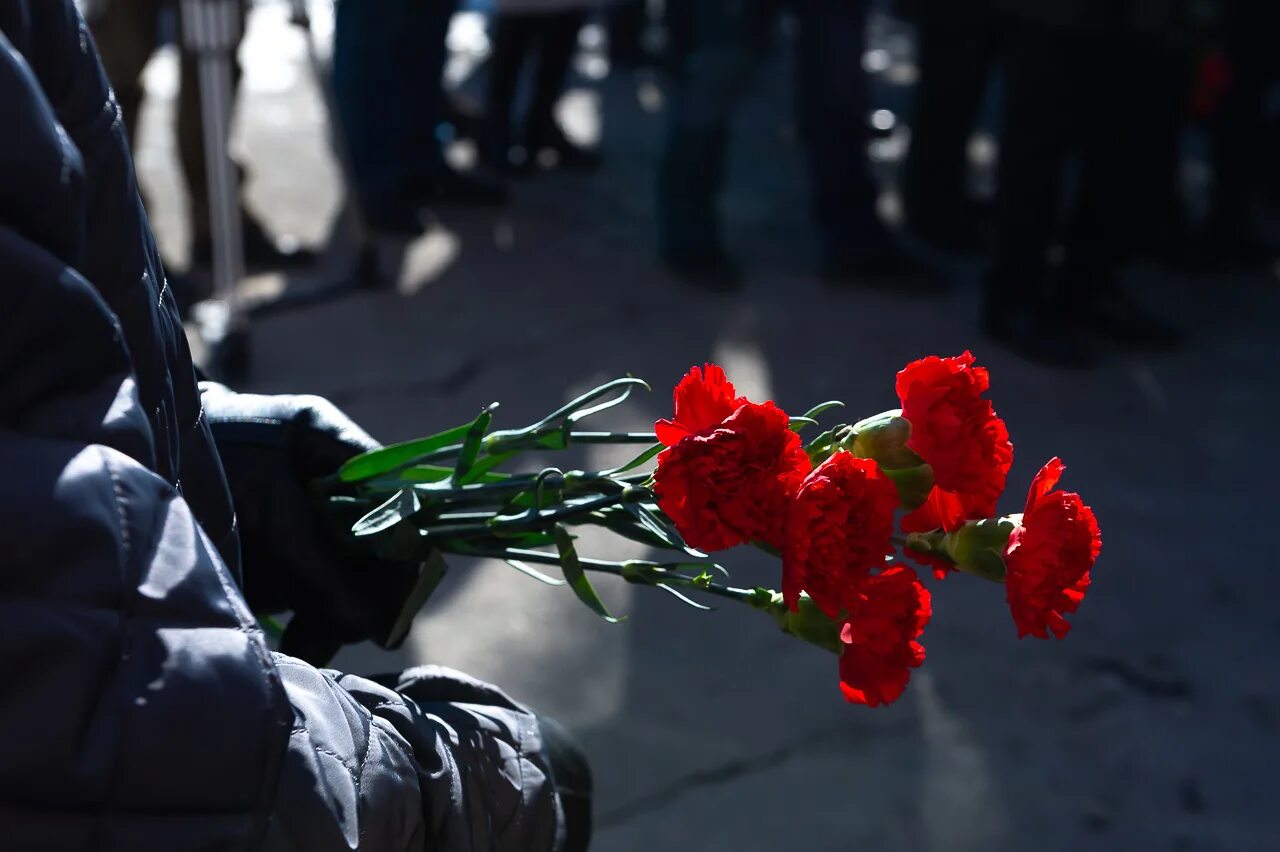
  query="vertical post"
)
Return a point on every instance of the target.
[{"x": 210, "y": 30}]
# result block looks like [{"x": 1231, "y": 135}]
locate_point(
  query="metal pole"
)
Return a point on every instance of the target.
[{"x": 210, "y": 29}]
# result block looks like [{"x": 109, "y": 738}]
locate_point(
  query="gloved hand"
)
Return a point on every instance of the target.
[{"x": 293, "y": 557}]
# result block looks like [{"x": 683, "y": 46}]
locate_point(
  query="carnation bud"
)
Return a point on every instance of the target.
[
  {"x": 884, "y": 439},
  {"x": 978, "y": 547}
]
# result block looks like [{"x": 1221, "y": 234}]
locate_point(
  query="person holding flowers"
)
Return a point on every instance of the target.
[{"x": 142, "y": 707}]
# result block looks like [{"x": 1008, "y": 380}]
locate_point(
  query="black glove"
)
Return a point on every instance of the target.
[{"x": 293, "y": 557}]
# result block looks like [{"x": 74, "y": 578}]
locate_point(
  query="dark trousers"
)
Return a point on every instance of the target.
[
  {"x": 955, "y": 50},
  {"x": 388, "y": 63},
  {"x": 127, "y": 33},
  {"x": 715, "y": 45},
  {"x": 1074, "y": 97},
  {"x": 1244, "y": 147},
  {"x": 553, "y": 38}
]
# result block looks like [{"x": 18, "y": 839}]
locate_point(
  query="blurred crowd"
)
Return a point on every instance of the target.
[{"x": 1096, "y": 105}]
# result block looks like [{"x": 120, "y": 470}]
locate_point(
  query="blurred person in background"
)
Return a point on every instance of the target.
[
  {"x": 1245, "y": 139},
  {"x": 525, "y": 31},
  {"x": 142, "y": 515},
  {"x": 956, "y": 49},
  {"x": 128, "y": 33},
  {"x": 388, "y": 86},
  {"x": 1080, "y": 77},
  {"x": 714, "y": 47}
]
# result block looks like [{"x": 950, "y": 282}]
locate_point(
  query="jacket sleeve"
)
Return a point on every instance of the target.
[{"x": 141, "y": 707}]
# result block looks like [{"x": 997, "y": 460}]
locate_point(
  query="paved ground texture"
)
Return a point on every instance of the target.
[{"x": 1154, "y": 726}]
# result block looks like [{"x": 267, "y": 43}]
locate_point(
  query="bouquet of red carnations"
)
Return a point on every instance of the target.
[{"x": 922, "y": 479}]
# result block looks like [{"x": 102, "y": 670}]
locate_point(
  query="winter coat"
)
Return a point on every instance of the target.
[{"x": 141, "y": 707}]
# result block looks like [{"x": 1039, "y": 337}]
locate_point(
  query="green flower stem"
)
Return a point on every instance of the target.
[
  {"x": 641, "y": 572},
  {"x": 497, "y": 524}
]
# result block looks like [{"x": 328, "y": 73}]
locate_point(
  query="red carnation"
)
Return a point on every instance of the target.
[
  {"x": 1049, "y": 556},
  {"x": 704, "y": 398},
  {"x": 838, "y": 529},
  {"x": 957, "y": 432},
  {"x": 886, "y": 617},
  {"x": 730, "y": 484}
]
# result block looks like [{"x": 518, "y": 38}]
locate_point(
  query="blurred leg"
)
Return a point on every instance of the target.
[
  {"x": 382, "y": 111},
  {"x": 955, "y": 50},
  {"x": 1044, "y": 115},
  {"x": 1117, "y": 171},
  {"x": 1040, "y": 98},
  {"x": 1238, "y": 134},
  {"x": 832, "y": 104},
  {"x": 424, "y": 65},
  {"x": 1121, "y": 178},
  {"x": 512, "y": 38},
  {"x": 715, "y": 46},
  {"x": 559, "y": 42}
]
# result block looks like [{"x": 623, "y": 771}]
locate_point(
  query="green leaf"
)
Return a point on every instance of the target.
[
  {"x": 471, "y": 443},
  {"x": 422, "y": 473},
  {"x": 620, "y": 521},
  {"x": 401, "y": 505},
  {"x": 798, "y": 423},
  {"x": 386, "y": 459},
  {"x": 530, "y": 571},
  {"x": 635, "y": 462},
  {"x": 682, "y": 598},
  {"x": 823, "y": 406},
  {"x": 554, "y": 440},
  {"x": 605, "y": 406},
  {"x": 481, "y": 471},
  {"x": 668, "y": 535},
  {"x": 577, "y": 577},
  {"x": 433, "y": 571},
  {"x": 590, "y": 396}
]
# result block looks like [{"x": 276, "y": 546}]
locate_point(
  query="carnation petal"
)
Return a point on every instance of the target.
[
  {"x": 704, "y": 398},
  {"x": 1045, "y": 480}
]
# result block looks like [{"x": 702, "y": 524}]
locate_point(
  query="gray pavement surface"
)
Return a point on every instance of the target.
[{"x": 1154, "y": 726}]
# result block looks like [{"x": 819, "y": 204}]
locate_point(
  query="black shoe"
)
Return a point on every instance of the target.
[
  {"x": 1118, "y": 316},
  {"x": 1035, "y": 338},
  {"x": 567, "y": 154},
  {"x": 447, "y": 185},
  {"x": 890, "y": 268},
  {"x": 713, "y": 271}
]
